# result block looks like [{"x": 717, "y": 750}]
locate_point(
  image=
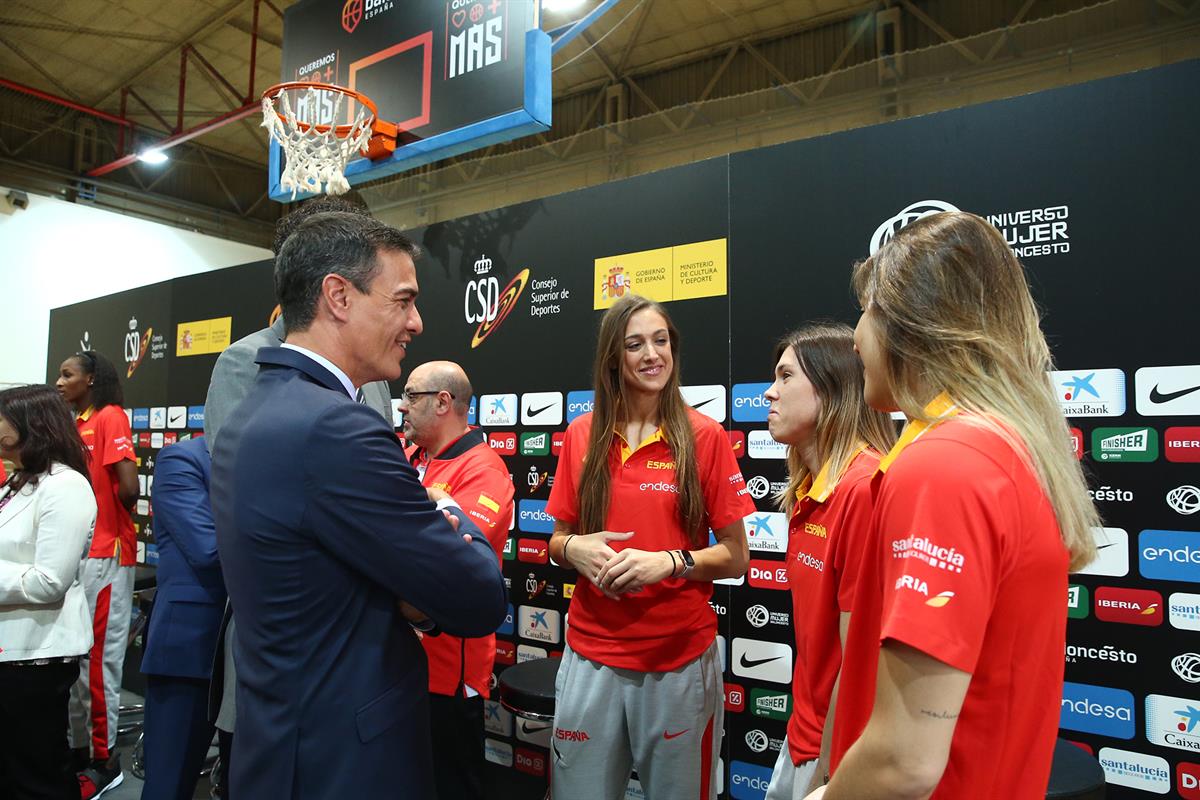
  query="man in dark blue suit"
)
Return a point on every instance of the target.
[
  {"x": 325, "y": 534},
  {"x": 183, "y": 627}
]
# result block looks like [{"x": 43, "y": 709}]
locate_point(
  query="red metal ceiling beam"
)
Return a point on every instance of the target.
[
  {"x": 64, "y": 102},
  {"x": 191, "y": 133}
]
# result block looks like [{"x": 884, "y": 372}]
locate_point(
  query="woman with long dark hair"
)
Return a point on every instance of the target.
[
  {"x": 46, "y": 515},
  {"x": 640, "y": 481},
  {"x": 88, "y": 382},
  {"x": 953, "y": 671},
  {"x": 834, "y": 444}
]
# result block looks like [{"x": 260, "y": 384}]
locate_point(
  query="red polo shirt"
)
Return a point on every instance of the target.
[
  {"x": 966, "y": 564},
  {"x": 470, "y": 472},
  {"x": 669, "y": 623},
  {"x": 108, "y": 439},
  {"x": 826, "y": 536}
]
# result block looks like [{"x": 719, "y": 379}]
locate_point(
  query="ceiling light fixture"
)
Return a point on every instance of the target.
[{"x": 152, "y": 156}]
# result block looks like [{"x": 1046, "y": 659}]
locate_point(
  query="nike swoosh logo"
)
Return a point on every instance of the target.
[
  {"x": 669, "y": 735},
  {"x": 748, "y": 663},
  {"x": 1158, "y": 397},
  {"x": 704, "y": 402},
  {"x": 533, "y": 412},
  {"x": 1102, "y": 546},
  {"x": 176, "y": 418},
  {"x": 526, "y": 729}
]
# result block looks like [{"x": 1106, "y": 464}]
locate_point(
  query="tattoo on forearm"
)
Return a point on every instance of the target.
[{"x": 938, "y": 714}]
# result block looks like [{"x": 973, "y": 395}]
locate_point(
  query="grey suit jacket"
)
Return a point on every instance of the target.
[{"x": 234, "y": 374}]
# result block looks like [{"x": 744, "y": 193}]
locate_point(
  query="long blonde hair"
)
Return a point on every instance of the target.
[
  {"x": 825, "y": 352},
  {"x": 608, "y": 411},
  {"x": 955, "y": 314}
]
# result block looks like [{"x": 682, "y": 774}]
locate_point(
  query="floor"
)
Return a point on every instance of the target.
[{"x": 503, "y": 784}]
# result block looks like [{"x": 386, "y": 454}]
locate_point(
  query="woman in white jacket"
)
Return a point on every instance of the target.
[{"x": 47, "y": 511}]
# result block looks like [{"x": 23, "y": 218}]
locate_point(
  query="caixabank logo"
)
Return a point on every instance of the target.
[
  {"x": 1090, "y": 392},
  {"x": 1097, "y": 709},
  {"x": 1173, "y": 722}
]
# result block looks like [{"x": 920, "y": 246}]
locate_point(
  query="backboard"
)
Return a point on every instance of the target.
[{"x": 455, "y": 75}]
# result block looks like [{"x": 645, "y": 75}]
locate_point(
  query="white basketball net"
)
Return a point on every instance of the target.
[{"x": 313, "y": 158}]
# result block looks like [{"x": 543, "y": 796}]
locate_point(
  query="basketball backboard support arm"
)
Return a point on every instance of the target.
[
  {"x": 569, "y": 32},
  {"x": 532, "y": 117}
]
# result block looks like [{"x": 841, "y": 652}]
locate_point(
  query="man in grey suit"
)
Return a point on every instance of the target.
[{"x": 232, "y": 377}]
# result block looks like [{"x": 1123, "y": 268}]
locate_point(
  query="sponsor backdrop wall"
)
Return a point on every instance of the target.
[{"x": 1094, "y": 186}]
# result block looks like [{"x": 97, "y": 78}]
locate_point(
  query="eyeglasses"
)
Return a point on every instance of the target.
[{"x": 409, "y": 395}]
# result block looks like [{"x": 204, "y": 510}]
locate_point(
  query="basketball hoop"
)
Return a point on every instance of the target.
[{"x": 316, "y": 154}]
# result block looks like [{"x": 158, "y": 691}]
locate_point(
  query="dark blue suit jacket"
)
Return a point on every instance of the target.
[
  {"x": 191, "y": 594},
  {"x": 323, "y": 527}
]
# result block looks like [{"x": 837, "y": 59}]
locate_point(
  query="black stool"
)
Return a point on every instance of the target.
[
  {"x": 527, "y": 690},
  {"x": 1074, "y": 775}
]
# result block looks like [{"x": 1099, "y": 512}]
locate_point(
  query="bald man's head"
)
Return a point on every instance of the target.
[{"x": 436, "y": 400}]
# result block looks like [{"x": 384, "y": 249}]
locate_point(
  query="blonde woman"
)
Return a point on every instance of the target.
[
  {"x": 834, "y": 444},
  {"x": 640, "y": 481},
  {"x": 953, "y": 669}
]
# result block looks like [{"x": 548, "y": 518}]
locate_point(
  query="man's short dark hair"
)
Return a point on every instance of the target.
[
  {"x": 288, "y": 223},
  {"x": 333, "y": 242}
]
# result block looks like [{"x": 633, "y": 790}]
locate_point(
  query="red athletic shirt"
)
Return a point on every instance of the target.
[
  {"x": 108, "y": 439},
  {"x": 670, "y": 623},
  {"x": 470, "y": 472},
  {"x": 826, "y": 535},
  {"x": 966, "y": 564}
]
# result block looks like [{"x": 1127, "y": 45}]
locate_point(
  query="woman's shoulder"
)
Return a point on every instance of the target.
[
  {"x": 64, "y": 478},
  {"x": 703, "y": 425}
]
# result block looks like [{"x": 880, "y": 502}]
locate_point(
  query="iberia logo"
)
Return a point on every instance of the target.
[
  {"x": 940, "y": 600},
  {"x": 135, "y": 348},
  {"x": 504, "y": 306},
  {"x": 352, "y": 15}
]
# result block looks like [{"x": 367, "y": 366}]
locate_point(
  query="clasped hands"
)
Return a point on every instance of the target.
[{"x": 613, "y": 573}]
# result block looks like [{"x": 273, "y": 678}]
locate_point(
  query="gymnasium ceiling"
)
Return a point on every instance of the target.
[{"x": 126, "y": 56}]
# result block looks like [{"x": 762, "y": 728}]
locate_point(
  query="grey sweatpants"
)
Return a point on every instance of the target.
[
  {"x": 667, "y": 725},
  {"x": 96, "y": 696}
]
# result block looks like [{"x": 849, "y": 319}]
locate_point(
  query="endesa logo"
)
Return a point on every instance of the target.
[
  {"x": 749, "y": 405},
  {"x": 767, "y": 575},
  {"x": 1137, "y": 771},
  {"x": 748, "y": 781},
  {"x": 532, "y": 518},
  {"x": 140, "y": 419},
  {"x": 195, "y": 416},
  {"x": 505, "y": 444},
  {"x": 1130, "y": 606},
  {"x": 1182, "y": 445},
  {"x": 1169, "y": 555},
  {"x": 533, "y": 551},
  {"x": 579, "y": 403},
  {"x": 1097, "y": 709}
]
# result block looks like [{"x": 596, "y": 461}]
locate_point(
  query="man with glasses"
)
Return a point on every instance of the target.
[
  {"x": 452, "y": 456},
  {"x": 324, "y": 531}
]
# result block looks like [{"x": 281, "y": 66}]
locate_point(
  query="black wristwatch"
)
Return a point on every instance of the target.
[{"x": 688, "y": 564}]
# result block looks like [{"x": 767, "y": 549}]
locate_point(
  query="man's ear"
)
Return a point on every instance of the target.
[{"x": 337, "y": 296}]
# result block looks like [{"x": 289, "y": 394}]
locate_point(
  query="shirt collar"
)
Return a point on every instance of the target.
[
  {"x": 86, "y": 414},
  {"x": 818, "y": 488},
  {"x": 626, "y": 451},
  {"x": 941, "y": 408},
  {"x": 327, "y": 364}
]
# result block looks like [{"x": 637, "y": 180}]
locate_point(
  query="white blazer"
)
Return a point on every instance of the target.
[{"x": 44, "y": 535}]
